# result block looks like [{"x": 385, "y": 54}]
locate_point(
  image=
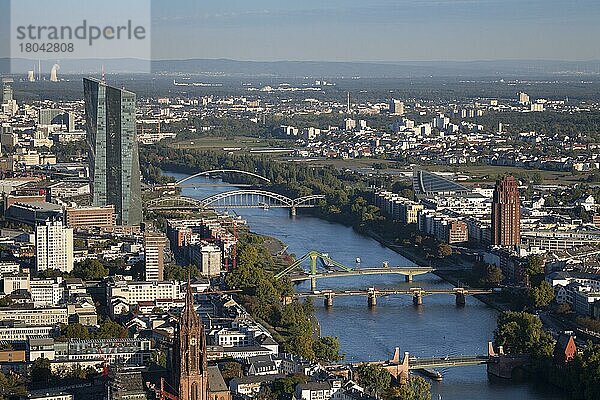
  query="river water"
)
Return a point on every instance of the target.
[{"x": 437, "y": 328}]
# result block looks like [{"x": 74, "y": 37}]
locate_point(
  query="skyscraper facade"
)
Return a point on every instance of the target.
[
  {"x": 154, "y": 255},
  {"x": 114, "y": 159},
  {"x": 506, "y": 213}
]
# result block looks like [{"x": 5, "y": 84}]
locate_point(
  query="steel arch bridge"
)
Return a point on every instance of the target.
[
  {"x": 223, "y": 171},
  {"x": 259, "y": 199},
  {"x": 174, "y": 203}
]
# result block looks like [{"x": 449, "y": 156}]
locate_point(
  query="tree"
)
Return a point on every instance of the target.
[
  {"x": 159, "y": 357},
  {"x": 110, "y": 330},
  {"x": 444, "y": 250},
  {"x": 180, "y": 273},
  {"x": 374, "y": 378},
  {"x": 522, "y": 333},
  {"x": 542, "y": 295},
  {"x": 535, "y": 269},
  {"x": 6, "y": 301},
  {"x": 415, "y": 388},
  {"x": 284, "y": 387},
  {"x": 75, "y": 331},
  {"x": 90, "y": 270},
  {"x": 487, "y": 275},
  {"x": 40, "y": 370},
  {"x": 230, "y": 370},
  {"x": 11, "y": 385},
  {"x": 590, "y": 372},
  {"x": 327, "y": 349}
]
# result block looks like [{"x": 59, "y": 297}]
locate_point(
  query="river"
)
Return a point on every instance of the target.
[{"x": 437, "y": 328}]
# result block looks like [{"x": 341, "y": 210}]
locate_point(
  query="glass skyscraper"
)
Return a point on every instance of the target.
[{"x": 113, "y": 156}]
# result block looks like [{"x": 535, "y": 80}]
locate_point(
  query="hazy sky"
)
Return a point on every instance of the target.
[{"x": 376, "y": 30}]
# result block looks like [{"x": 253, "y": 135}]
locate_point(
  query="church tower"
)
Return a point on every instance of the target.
[{"x": 190, "y": 371}]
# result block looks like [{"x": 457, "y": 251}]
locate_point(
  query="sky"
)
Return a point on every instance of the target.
[{"x": 376, "y": 30}]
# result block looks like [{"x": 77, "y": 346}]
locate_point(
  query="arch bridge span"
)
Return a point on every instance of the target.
[
  {"x": 222, "y": 171},
  {"x": 259, "y": 199}
]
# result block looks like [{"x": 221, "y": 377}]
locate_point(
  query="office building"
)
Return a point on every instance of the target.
[
  {"x": 396, "y": 107},
  {"x": 154, "y": 256},
  {"x": 506, "y": 213},
  {"x": 49, "y": 116},
  {"x": 114, "y": 159},
  {"x": 90, "y": 217},
  {"x": 35, "y": 316},
  {"x": 7, "y": 90},
  {"x": 53, "y": 247},
  {"x": 524, "y": 98}
]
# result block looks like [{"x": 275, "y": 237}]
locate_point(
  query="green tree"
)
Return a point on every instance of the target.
[
  {"x": 180, "y": 273},
  {"x": 542, "y": 295},
  {"x": 444, "y": 250},
  {"x": 110, "y": 330},
  {"x": 535, "y": 270},
  {"x": 159, "y": 357},
  {"x": 327, "y": 349},
  {"x": 374, "y": 378},
  {"x": 590, "y": 372},
  {"x": 11, "y": 385},
  {"x": 415, "y": 388},
  {"x": 284, "y": 387},
  {"x": 90, "y": 269},
  {"x": 40, "y": 370},
  {"x": 6, "y": 301},
  {"x": 230, "y": 370},
  {"x": 522, "y": 333},
  {"x": 487, "y": 275},
  {"x": 75, "y": 331}
]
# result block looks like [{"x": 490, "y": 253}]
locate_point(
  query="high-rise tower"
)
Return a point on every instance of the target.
[
  {"x": 114, "y": 159},
  {"x": 506, "y": 213},
  {"x": 190, "y": 369}
]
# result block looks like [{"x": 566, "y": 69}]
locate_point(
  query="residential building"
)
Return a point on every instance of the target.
[
  {"x": 154, "y": 256},
  {"x": 506, "y": 213},
  {"x": 53, "y": 247}
]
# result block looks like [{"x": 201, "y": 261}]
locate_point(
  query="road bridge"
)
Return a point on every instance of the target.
[
  {"x": 372, "y": 294},
  {"x": 498, "y": 363},
  {"x": 329, "y": 268}
]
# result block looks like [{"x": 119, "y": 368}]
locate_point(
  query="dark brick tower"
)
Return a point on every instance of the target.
[
  {"x": 506, "y": 213},
  {"x": 190, "y": 371}
]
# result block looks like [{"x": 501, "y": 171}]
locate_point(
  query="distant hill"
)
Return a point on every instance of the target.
[{"x": 327, "y": 69}]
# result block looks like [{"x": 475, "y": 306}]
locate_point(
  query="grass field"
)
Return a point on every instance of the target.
[{"x": 233, "y": 142}]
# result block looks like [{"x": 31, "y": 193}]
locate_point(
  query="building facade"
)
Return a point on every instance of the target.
[
  {"x": 114, "y": 158},
  {"x": 90, "y": 217},
  {"x": 53, "y": 247},
  {"x": 154, "y": 256},
  {"x": 506, "y": 213}
]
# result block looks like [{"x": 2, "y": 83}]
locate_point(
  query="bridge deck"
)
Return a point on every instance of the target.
[
  {"x": 391, "y": 292},
  {"x": 446, "y": 362},
  {"x": 364, "y": 271}
]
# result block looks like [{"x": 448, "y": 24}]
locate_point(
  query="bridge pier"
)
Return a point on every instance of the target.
[
  {"x": 418, "y": 299},
  {"x": 461, "y": 300},
  {"x": 313, "y": 284},
  {"x": 328, "y": 301},
  {"x": 372, "y": 299},
  {"x": 292, "y": 211},
  {"x": 408, "y": 278}
]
